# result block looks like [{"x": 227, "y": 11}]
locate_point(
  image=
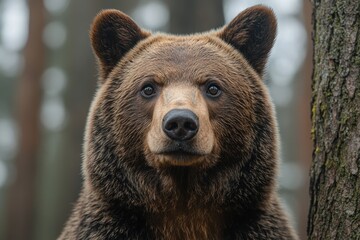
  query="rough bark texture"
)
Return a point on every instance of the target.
[
  {"x": 22, "y": 192},
  {"x": 335, "y": 181}
]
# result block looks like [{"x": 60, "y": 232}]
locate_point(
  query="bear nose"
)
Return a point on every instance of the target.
[{"x": 180, "y": 124}]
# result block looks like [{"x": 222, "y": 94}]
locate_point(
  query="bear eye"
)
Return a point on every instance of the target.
[
  {"x": 213, "y": 90},
  {"x": 148, "y": 91}
]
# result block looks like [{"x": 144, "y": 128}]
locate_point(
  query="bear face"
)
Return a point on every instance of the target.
[{"x": 181, "y": 84}]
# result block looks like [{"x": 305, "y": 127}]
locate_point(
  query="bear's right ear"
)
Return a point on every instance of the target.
[
  {"x": 252, "y": 33},
  {"x": 113, "y": 34}
]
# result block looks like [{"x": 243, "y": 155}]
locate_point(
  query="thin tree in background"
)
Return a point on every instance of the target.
[
  {"x": 335, "y": 174},
  {"x": 80, "y": 67},
  {"x": 22, "y": 193},
  {"x": 189, "y": 16}
]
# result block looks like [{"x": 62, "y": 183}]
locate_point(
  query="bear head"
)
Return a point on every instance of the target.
[{"x": 182, "y": 120}]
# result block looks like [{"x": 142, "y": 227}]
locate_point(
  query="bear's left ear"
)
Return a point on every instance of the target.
[
  {"x": 252, "y": 33},
  {"x": 112, "y": 35}
]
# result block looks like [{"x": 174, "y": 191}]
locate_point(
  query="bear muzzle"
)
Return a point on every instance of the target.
[
  {"x": 180, "y": 126},
  {"x": 180, "y": 133}
]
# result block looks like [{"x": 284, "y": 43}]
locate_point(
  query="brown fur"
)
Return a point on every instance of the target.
[{"x": 224, "y": 186}]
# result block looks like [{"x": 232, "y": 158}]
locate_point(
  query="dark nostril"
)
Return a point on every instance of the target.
[
  {"x": 180, "y": 124},
  {"x": 171, "y": 126},
  {"x": 190, "y": 125}
]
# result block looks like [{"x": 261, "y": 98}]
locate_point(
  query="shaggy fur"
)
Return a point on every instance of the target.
[{"x": 138, "y": 183}]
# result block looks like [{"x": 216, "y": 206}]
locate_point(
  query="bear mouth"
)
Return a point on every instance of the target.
[
  {"x": 181, "y": 154},
  {"x": 180, "y": 149}
]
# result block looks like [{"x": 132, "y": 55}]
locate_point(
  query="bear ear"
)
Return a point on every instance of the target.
[
  {"x": 113, "y": 34},
  {"x": 252, "y": 33}
]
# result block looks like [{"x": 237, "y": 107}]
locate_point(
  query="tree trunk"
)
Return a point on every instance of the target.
[
  {"x": 22, "y": 193},
  {"x": 335, "y": 180}
]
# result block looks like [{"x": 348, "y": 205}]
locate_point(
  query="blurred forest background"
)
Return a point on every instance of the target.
[{"x": 48, "y": 77}]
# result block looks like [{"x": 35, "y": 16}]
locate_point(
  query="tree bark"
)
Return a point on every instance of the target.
[
  {"x": 22, "y": 192},
  {"x": 335, "y": 182}
]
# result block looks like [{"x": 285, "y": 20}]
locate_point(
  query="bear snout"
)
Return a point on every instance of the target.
[
  {"x": 180, "y": 133},
  {"x": 180, "y": 124}
]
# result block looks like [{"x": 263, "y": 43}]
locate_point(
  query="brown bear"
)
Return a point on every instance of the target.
[{"x": 181, "y": 139}]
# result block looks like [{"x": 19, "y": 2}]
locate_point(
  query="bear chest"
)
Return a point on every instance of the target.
[{"x": 197, "y": 224}]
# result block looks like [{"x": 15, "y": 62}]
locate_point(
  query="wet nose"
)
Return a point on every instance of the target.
[{"x": 180, "y": 124}]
